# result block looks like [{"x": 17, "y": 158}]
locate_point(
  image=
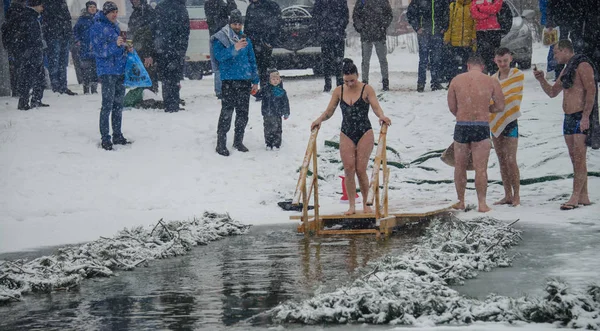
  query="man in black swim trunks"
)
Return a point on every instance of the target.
[
  {"x": 469, "y": 96},
  {"x": 579, "y": 86}
]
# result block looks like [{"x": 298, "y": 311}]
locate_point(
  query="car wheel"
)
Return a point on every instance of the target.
[{"x": 525, "y": 64}]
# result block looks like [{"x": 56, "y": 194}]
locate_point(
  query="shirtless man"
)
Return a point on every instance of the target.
[
  {"x": 505, "y": 128},
  {"x": 578, "y": 100},
  {"x": 469, "y": 96}
]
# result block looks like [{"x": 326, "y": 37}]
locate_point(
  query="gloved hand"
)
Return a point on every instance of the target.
[{"x": 285, "y": 117}]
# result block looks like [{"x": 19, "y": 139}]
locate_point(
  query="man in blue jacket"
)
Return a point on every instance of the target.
[
  {"x": 239, "y": 75},
  {"x": 111, "y": 56}
]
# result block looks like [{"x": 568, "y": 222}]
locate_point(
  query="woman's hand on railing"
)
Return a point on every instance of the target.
[
  {"x": 316, "y": 124},
  {"x": 385, "y": 120}
]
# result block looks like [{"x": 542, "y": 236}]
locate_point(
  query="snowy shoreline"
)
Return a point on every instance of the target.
[
  {"x": 128, "y": 249},
  {"x": 413, "y": 289}
]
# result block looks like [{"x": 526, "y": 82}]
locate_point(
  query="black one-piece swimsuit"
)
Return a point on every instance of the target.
[{"x": 355, "y": 117}]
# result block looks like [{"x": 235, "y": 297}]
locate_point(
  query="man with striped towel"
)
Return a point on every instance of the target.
[{"x": 504, "y": 126}]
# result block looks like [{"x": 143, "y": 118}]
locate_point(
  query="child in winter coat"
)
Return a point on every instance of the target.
[{"x": 275, "y": 104}]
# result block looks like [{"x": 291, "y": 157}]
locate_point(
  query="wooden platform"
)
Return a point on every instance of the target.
[{"x": 399, "y": 214}]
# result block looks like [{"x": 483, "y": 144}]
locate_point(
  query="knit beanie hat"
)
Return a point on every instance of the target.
[
  {"x": 236, "y": 17},
  {"x": 34, "y": 3},
  {"x": 90, "y": 3},
  {"x": 108, "y": 7}
]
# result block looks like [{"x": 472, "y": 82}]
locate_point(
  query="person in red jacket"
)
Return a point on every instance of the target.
[{"x": 488, "y": 30}]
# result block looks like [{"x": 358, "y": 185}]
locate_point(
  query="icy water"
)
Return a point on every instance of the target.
[
  {"x": 215, "y": 287},
  {"x": 568, "y": 253},
  {"x": 219, "y": 286}
]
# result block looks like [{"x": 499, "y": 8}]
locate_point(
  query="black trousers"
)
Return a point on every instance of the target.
[
  {"x": 31, "y": 76},
  {"x": 263, "y": 55},
  {"x": 458, "y": 61},
  {"x": 487, "y": 43},
  {"x": 235, "y": 97},
  {"x": 332, "y": 52},
  {"x": 273, "y": 130}
]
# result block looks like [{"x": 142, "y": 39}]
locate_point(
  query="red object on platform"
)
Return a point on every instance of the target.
[{"x": 344, "y": 193}]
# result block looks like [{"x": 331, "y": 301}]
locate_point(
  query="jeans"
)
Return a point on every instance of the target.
[
  {"x": 170, "y": 92},
  {"x": 381, "y": 50},
  {"x": 430, "y": 54},
  {"x": 236, "y": 96},
  {"x": 113, "y": 92},
  {"x": 332, "y": 52},
  {"x": 487, "y": 43},
  {"x": 58, "y": 60}
]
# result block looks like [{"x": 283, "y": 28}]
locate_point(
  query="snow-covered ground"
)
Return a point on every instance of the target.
[{"x": 57, "y": 187}]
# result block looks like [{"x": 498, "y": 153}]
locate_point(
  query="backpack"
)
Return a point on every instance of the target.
[{"x": 505, "y": 18}]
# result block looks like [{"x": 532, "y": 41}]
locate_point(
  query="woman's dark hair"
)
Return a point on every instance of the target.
[{"x": 349, "y": 68}]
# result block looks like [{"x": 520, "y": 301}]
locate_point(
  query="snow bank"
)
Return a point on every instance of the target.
[
  {"x": 125, "y": 251},
  {"x": 413, "y": 289}
]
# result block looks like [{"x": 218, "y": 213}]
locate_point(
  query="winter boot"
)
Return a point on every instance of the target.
[
  {"x": 23, "y": 104},
  {"x": 221, "y": 145},
  {"x": 327, "y": 87},
  {"x": 386, "y": 84},
  {"x": 437, "y": 87},
  {"x": 237, "y": 143},
  {"x": 94, "y": 88},
  {"x": 120, "y": 140},
  {"x": 420, "y": 88},
  {"x": 38, "y": 104},
  {"x": 107, "y": 145},
  {"x": 86, "y": 89}
]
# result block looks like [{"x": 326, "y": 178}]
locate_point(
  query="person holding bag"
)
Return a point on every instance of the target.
[{"x": 111, "y": 51}]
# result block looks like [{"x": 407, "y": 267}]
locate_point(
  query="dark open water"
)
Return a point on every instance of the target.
[
  {"x": 215, "y": 287},
  {"x": 219, "y": 286}
]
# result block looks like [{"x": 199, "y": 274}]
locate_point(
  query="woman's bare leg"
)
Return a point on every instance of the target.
[
  {"x": 363, "y": 154},
  {"x": 348, "y": 155}
]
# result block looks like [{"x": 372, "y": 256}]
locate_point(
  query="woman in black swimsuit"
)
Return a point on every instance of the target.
[{"x": 356, "y": 138}]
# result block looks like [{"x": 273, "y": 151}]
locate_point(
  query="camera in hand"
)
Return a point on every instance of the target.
[{"x": 243, "y": 36}]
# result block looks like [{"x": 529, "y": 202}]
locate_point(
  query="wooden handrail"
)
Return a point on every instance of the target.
[
  {"x": 379, "y": 157},
  {"x": 304, "y": 170}
]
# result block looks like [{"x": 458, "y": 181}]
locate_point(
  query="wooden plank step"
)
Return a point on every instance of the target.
[{"x": 342, "y": 232}]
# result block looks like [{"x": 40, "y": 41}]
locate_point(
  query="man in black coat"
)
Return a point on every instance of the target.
[
  {"x": 30, "y": 47},
  {"x": 569, "y": 16},
  {"x": 217, "y": 14},
  {"x": 59, "y": 34},
  {"x": 140, "y": 32},
  {"x": 591, "y": 32},
  {"x": 171, "y": 35},
  {"x": 371, "y": 19},
  {"x": 429, "y": 19},
  {"x": 263, "y": 27},
  {"x": 9, "y": 39},
  {"x": 332, "y": 17}
]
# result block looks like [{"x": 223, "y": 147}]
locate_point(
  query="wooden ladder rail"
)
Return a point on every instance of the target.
[
  {"x": 381, "y": 211},
  {"x": 302, "y": 193}
]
